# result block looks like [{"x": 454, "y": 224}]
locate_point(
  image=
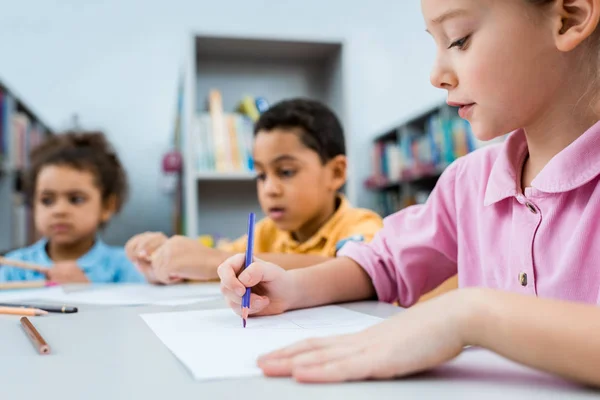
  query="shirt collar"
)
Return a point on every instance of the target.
[
  {"x": 85, "y": 262},
  {"x": 289, "y": 242},
  {"x": 573, "y": 167}
]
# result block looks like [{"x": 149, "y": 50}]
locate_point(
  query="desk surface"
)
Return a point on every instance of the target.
[{"x": 110, "y": 353}]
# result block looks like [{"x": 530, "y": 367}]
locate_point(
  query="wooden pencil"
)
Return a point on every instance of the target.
[
  {"x": 36, "y": 339},
  {"x": 26, "y": 285},
  {"x": 30, "y": 312},
  {"x": 23, "y": 265}
]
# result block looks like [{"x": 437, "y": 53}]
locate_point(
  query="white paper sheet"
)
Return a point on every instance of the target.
[
  {"x": 213, "y": 345},
  {"x": 121, "y": 294},
  {"x": 17, "y": 295}
]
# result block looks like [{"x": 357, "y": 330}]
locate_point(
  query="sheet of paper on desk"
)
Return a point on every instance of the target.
[
  {"x": 213, "y": 345},
  {"x": 126, "y": 294},
  {"x": 122, "y": 294},
  {"x": 7, "y": 296}
]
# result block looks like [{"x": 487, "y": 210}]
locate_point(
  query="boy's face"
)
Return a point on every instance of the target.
[
  {"x": 67, "y": 205},
  {"x": 496, "y": 59},
  {"x": 295, "y": 188}
]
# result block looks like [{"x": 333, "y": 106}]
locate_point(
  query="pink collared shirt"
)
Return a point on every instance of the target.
[{"x": 544, "y": 241}]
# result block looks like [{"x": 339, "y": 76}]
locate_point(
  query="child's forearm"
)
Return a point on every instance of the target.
[
  {"x": 293, "y": 261},
  {"x": 285, "y": 261},
  {"x": 554, "y": 336},
  {"x": 336, "y": 281}
]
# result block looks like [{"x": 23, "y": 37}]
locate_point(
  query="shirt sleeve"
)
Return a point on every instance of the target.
[
  {"x": 364, "y": 230},
  {"x": 416, "y": 250}
]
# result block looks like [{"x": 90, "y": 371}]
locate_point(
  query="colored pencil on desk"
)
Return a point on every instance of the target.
[
  {"x": 247, "y": 262},
  {"x": 23, "y": 265},
  {"x": 36, "y": 339},
  {"x": 26, "y": 285},
  {"x": 30, "y": 312},
  {"x": 48, "y": 308}
]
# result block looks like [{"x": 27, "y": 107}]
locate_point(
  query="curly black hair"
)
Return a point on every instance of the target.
[
  {"x": 320, "y": 128},
  {"x": 86, "y": 151}
]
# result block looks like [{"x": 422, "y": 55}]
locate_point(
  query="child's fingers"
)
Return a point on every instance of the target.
[
  {"x": 130, "y": 247},
  {"x": 258, "y": 272},
  {"x": 228, "y": 274},
  {"x": 235, "y": 307},
  {"x": 234, "y": 263},
  {"x": 298, "y": 348},
  {"x": 231, "y": 295},
  {"x": 146, "y": 269},
  {"x": 307, "y": 359},
  {"x": 257, "y": 303},
  {"x": 357, "y": 366},
  {"x": 149, "y": 244}
]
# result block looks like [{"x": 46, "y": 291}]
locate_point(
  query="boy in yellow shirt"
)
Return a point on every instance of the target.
[{"x": 300, "y": 161}]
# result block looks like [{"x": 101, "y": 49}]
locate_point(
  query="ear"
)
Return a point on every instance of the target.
[
  {"x": 575, "y": 21},
  {"x": 109, "y": 207},
  {"x": 337, "y": 167}
]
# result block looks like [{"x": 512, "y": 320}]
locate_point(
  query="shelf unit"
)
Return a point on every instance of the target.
[
  {"x": 20, "y": 130},
  {"x": 224, "y": 176},
  {"x": 273, "y": 68},
  {"x": 409, "y": 158}
]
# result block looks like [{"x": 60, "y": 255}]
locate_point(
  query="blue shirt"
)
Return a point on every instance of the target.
[{"x": 102, "y": 264}]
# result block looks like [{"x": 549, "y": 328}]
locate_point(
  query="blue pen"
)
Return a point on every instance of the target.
[{"x": 247, "y": 262}]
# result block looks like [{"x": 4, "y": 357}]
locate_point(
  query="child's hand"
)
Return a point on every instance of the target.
[
  {"x": 417, "y": 339},
  {"x": 271, "y": 286},
  {"x": 183, "y": 258},
  {"x": 66, "y": 272},
  {"x": 139, "y": 250}
]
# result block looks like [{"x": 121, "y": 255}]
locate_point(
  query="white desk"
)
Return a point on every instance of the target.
[{"x": 110, "y": 353}]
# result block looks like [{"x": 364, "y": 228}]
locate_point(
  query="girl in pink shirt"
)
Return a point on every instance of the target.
[{"x": 517, "y": 221}]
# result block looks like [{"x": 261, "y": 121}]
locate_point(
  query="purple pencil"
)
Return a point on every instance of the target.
[{"x": 247, "y": 262}]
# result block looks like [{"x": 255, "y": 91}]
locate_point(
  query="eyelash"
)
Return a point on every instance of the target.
[
  {"x": 460, "y": 43},
  {"x": 283, "y": 173},
  {"x": 76, "y": 200}
]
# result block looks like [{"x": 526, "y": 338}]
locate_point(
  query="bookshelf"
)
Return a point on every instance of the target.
[
  {"x": 224, "y": 176},
  {"x": 217, "y": 202},
  {"x": 20, "y": 130},
  {"x": 408, "y": 158}
]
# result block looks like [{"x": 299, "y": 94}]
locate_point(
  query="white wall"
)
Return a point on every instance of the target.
[{"x": 115, "y": 63}]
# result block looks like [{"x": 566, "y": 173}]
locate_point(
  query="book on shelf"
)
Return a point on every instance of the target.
[
  {"x": 222, "y": 142},
  {"x": 252, "y": 107},
  {"x": 223, "y": 147},
  {"x": 18, "y": 134},
  {"x": 247, "y": 106},
  {"x": 415, "y": 153},
  {"x": 390, "y": 201}
]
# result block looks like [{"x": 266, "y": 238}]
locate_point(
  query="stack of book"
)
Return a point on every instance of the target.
[
  {"x": 20, "y": 131},
  {"x": 417, "y": 154},
  {"x": 222, "y": 141},
  {"x": 18, "y": 134},
  {"x": 408, "y": 160}
]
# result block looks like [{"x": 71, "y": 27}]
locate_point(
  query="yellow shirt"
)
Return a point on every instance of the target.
[{"x": 347, "y": 223}]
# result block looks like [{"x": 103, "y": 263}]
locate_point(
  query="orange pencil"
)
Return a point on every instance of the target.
[
  {"x": 30, "y": 312},
  {"x": 26, "y": 285},
  {"x": 23, "y": 265},
  {"x": 36, "y": 339}
]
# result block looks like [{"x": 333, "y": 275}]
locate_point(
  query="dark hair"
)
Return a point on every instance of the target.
[
  {"x": 87, "y": 151},
  {"x": 320, "y": 128}
]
